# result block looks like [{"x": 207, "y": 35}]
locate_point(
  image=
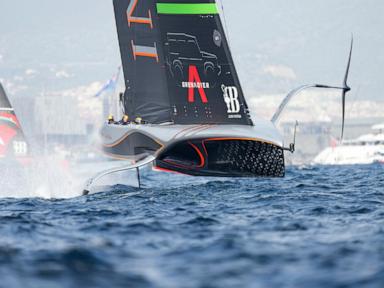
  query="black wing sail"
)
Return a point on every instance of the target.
[
  {"x": 146, "y": 93},
  {"x": 202, "y": 79},
  {"x": 4, "y": 102},
  {"x": 177, "y": 63}
]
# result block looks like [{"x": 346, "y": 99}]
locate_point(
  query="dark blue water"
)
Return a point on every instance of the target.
[{"x": 318, "y": 227}]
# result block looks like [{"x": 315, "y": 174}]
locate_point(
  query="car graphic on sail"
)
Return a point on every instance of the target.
[{"x": 183, "y": 50}]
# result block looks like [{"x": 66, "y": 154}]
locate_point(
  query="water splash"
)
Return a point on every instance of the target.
[
  {"x": 51, "y": 177},
  {"x": 46, "y": 177}
]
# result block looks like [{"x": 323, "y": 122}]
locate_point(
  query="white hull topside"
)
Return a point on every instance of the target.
[
  {"x": 263, "y": 131},
  {"x": 350, "y": 155}
]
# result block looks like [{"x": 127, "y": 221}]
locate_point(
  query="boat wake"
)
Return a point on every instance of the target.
[{"x": 53, "y": 178}]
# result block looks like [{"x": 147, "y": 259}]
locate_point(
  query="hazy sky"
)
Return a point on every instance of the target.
[{"x": 277, "y": 44}]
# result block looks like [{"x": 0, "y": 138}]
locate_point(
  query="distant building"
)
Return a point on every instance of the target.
[{"x": 57, "y": 120}]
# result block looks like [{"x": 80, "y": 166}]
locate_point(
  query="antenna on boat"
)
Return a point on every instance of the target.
[
  {"x": 292, "y": 146},
  {"x": 345, "y": 88}
]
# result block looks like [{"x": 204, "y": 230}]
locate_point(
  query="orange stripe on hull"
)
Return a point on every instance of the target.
[
  {"x": 202, "y": 159},
  {"x": 240, "y": 138},
  {"x": 167, "y": 170}
]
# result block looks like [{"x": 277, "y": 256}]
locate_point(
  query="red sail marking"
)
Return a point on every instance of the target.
[
  {"x": 194, "y": 77},
  {"x": 10, "y": 117},
  {"x": 6, "y": 135},
  {"x": 202, "y": 159}
]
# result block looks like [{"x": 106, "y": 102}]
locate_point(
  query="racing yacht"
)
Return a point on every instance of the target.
[
  {"x": 366, "y": 149},
  {"x": 182, "y": 86}
]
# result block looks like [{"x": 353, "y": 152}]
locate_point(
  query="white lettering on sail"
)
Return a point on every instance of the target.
[
  {"x": 231, "y": 98},
  {"x": 197, "y": 85}
]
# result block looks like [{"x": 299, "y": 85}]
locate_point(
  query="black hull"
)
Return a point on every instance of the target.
[
  {"x": 223, "y": 158},
  {"x": 198, "y": 150}
]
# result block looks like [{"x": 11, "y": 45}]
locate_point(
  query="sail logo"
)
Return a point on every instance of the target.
[
  {"x": 20, "y": 148},
  {"x": 231, "y": 98},
  {"x": 140, "y": 50},
  {"x": 198, "y": 85},
  {"x": 194, "y": 82}
]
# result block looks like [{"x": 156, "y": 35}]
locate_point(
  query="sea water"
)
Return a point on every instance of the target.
[{"x": 318, "y": 227}]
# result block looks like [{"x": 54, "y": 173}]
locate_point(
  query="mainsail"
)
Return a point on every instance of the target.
[
  {"x": 177, "y": 63},
  {"x": 4, "y": 102}
]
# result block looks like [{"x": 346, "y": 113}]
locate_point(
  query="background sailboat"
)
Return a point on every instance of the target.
[{"x": 12, "y": 140}]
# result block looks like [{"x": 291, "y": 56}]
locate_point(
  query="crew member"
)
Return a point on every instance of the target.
[
  {"x": 124, "y": 120},
  {"x": 111, "y": 119},
  {"x": 139, "y": 120}
]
